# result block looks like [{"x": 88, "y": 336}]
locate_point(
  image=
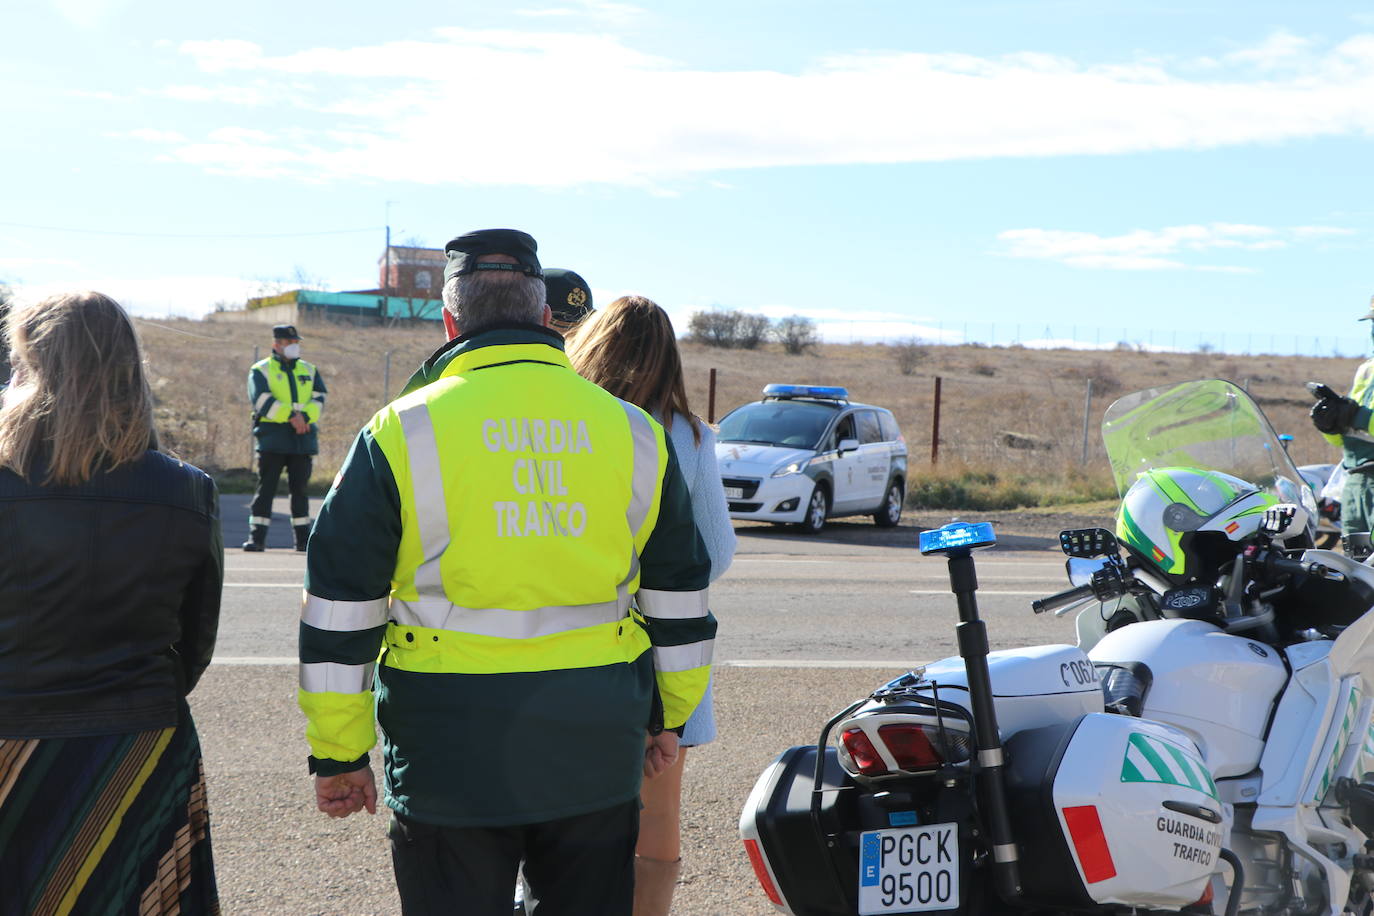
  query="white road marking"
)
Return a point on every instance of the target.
[
  {"x": 255, "y": 660},
  {"x": 816, "y": 663},
  {"x": 981, "y": 591},
  {"x": 268, "y": 661}
]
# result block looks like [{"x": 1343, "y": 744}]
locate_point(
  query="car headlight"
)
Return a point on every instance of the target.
[{"x": 795, "y": 467}]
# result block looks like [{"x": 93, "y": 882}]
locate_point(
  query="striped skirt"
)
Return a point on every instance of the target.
[{"x": 114, "y": 824}]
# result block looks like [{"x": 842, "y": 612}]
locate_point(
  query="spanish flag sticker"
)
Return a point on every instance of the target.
[
  {"x": 1160, "y": 556},
  {"x": 1233, "y": 528}
]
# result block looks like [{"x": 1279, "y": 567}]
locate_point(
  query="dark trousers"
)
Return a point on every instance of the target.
[
  {"x": 270, "y": 465},
  {"x": 575, "y": 866}
]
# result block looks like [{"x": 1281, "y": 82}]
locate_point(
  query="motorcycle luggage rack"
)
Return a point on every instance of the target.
[{"x": 907, "y": 692}]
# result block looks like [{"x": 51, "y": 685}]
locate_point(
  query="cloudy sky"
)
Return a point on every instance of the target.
[{"x": 1158, "y": 172}]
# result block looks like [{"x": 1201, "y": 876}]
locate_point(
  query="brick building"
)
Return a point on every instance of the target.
[{"x": 416, "y": 273}]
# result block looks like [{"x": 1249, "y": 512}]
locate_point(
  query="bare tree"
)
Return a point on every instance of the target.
[
  {"x": 910, "y": 353},
  {"x": 797, "y": 334}
]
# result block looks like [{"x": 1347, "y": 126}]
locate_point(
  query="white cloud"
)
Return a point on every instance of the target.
[
  {"x": 414, "y": 108},
  {"x": 153, "y": 135},
  {"x": 1281, "y": 49},
  {"x": 88, "y": 14},
  {"x": 1312, "y": 232},
  {"x": 189, "y": 296},
  {"x": 604, "y": 10},
  {"x": 1142, "y": 249}
]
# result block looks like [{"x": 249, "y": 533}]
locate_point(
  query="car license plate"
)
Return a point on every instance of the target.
[
  {"x": 734, "y": 492},
  {"x": 909, "y": 869}
]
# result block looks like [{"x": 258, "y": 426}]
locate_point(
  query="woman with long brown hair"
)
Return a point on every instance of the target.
[
  {"x": 629, "y": 349},
  {"x": 111, "y": 566}
]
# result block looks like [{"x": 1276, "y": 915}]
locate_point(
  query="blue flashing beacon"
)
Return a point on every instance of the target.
[{"x": 957, "y": 536}]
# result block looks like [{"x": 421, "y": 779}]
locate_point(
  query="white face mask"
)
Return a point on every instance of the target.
[{"x": 291, "y": 351}]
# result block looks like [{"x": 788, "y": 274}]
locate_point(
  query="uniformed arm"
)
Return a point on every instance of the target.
[
  {"x": 200, "y": 604},
  {"x": 709, "y": 507},
  {"x": 349, "y": 565},
  {"x": 674, "y": 572},
  {"x": 315, "y": 406},
  {"x": 265, "y": 406}
]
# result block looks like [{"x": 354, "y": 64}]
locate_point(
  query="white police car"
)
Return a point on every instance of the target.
[{"x": 805, "y": 453}]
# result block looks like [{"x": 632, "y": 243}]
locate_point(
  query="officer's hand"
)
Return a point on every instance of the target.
[
  {"x": 660, "y": 753},
  {"x": 1333, "y": 415},
  {"x": 341, "y": 795},
  {"x": 299, "y": 424}
]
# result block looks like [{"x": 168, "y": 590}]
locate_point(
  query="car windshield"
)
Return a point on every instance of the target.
[{"x": 797, "y": 424}]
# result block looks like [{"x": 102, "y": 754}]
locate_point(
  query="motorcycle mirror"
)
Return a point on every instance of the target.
[
  {"x": 1088, "y": 542},
  {"x": 1081, "y": 569}
]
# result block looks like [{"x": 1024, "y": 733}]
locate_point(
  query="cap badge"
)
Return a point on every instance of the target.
[{"x": 577, "y": 297}]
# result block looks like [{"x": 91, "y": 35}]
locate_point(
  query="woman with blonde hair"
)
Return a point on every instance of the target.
[
  {"x": 629, "y": 349},
  {"x": 111, "y": 565}
]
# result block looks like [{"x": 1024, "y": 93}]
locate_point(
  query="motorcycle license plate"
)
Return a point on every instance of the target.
[
  {"x": 734, "y": 492},
  {"x": 909, "y": 869}
]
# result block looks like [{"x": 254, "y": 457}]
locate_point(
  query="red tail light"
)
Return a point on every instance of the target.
[
  {"x": 761, "y": 871},
  {"x": 863, "y": 753},
  {"x": 911, "y": 747}
]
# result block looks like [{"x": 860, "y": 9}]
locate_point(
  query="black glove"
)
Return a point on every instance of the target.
[{"x": 1333, "y": 415}]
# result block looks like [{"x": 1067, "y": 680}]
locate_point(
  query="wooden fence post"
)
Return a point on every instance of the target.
[
  {"x": 935, "y": 427},
  {"x": 711, "y": 399}
]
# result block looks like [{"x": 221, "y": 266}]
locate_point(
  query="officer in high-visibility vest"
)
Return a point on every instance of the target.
[
  {"x": 287, "y": 394},
  {"x": 1348, "y": 423},
  {"x": 508, "y": 561}
]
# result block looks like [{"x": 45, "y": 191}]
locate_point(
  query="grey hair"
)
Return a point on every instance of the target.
[{"x": 489, "y": 297}]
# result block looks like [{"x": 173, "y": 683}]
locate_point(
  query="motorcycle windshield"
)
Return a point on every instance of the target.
[{"x": 1210, "y": 424}]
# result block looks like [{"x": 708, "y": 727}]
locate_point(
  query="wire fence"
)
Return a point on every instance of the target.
[{"x": 1042, "y": 336}]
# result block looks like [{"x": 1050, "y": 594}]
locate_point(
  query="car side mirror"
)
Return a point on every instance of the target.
[{"x": 848, "y": 445}]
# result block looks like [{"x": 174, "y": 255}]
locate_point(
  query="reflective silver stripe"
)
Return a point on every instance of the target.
[
  {"x": 644, "y": 480},
  {"x": 261, "y": 403},
  {"x": 305, "y": 520},
  {"x": 259, "y": 520},
  {"x": 1006, "y": 852},
  {"x": 318, "y": 397},
  {"x": 672, "y": 605},
  {"x": 427, "y": 491},
  {"x": 503, "y": 623},
  {"x": 683, "y": 658},
  {"x": 332, "y": 677},
  {"x": 342, "y": 616}
]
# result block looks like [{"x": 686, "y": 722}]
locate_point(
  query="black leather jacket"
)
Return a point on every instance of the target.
[{"x": 109, "y": 598}]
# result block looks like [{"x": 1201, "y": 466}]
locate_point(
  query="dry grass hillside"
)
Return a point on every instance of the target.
[{"x": 989, "y": 396}]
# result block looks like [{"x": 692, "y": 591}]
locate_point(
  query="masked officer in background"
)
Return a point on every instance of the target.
[
  {"x": 519, "y": 545},
  {"x": 1348, "y": 422},
  {"x": 287, "y": 394}
]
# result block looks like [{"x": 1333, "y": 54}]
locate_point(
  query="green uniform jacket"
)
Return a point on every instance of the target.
[
  {"x": 274, "y": 385},
  {"x": 496, "y": 731}
]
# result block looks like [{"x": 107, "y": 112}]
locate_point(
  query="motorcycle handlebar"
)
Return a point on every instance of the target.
[
  {"x": 1298, "y": 567},
  {"x": 1062, "y": 599}
]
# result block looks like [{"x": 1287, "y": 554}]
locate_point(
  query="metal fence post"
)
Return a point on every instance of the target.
[
  {"x": 386, "y": 379},
  {"x": 935, "y": 427}
]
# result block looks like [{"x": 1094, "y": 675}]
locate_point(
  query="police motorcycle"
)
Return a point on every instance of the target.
[{"x": 1203, "y": 749}]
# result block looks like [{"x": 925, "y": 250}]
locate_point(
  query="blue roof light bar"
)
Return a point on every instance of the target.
[{"x": 826, "y": 392}]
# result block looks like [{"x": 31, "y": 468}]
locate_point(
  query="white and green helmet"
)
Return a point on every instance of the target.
[{"x": 1166, "y": 508}]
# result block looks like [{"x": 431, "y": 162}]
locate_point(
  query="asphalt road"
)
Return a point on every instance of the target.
[{"x": 806, "y": 626}]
